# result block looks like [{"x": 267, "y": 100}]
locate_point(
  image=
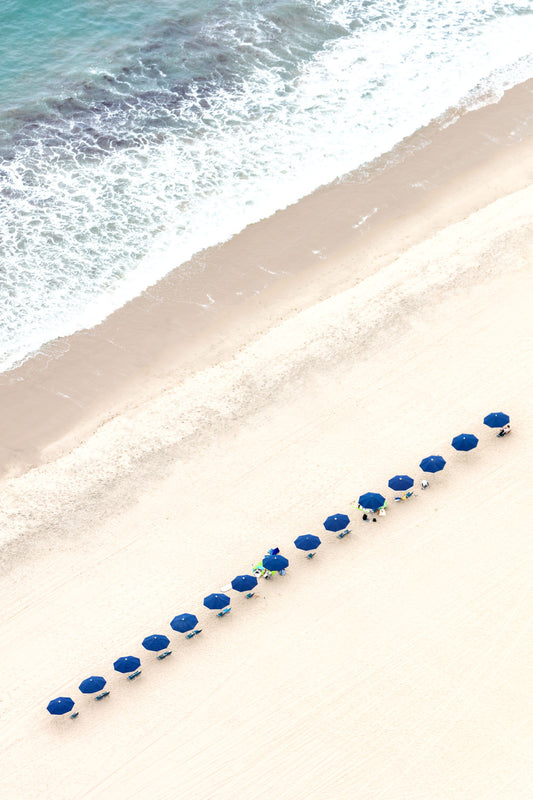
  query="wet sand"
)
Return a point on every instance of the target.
[{"x": 227, "y": 295}]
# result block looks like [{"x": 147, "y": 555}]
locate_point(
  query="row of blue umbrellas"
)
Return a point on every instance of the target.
[
  {"x": 373, "y": 501},
  {"x": 185, "y": 623},
  {"x": 463, "y": 442}
]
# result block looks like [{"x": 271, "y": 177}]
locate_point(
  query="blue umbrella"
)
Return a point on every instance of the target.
[
  {"x": 216, "y": 600},
  {"x": 307, "y": 542},
  {"x": 184, "y": 622},
  {"x": 400, "y": 483},
  {"x": 337, "y": 522},
  {"x": 372, "y": 501},
  {"x": 61, "y": 705},
  {"x": 496, "y": 420},
  {"x": 275, "y": 563},
  {"x": 243, "y": 583},
  {"x": 92, "y": 684},
  {"x": 432, "y": 464},
  {"x": 465, "y": 441},
  {"x": 155, "y": 642},
  {"x": 127, "y": 664}
]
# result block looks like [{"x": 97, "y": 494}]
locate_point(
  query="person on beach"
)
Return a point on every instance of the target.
[
  {"x": 424, "y": 484},
  {"x": 366, "y": 518},
  {"x": 505, "y": 430},
  {"x": 260, "y": 572}
]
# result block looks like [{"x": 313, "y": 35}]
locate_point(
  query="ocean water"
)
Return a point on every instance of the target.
[{"x": 134, "y": 133}]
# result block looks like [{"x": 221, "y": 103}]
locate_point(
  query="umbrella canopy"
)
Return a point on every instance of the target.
[
  {"x": 401, "y": 483},
  {"x": 307, "y": 542},
  {"x": 61, "y": 705},
  {"x": 372, "y": 501},
  {"x": 184, "y": 622},
  {"x": 496, "y": 420},
  {"x": 432, "y": 464},
  {"x": 92, "y": 684},
  {"x": 465, "y": 441},
  {"x": 337, "y": 522},
  {"x": 127, "y": 664},
  {"x": 155, "y": 642},
  {"x": 216, "y": 600},
  {"x": 275, "y": 563},
  {"x": 243, "y": 583}
]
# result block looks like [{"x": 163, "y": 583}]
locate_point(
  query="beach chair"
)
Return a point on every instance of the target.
[
  {"x": 134, "y": 674},
  {"x": 310, "y": 555},
  {"x": 193, "y": 633},
  {"x": 164, "y": 655},
  {"x": 101, "y": 695},
  {"x": 224, "y": 611},
  {"x": 342, "y": 534},
  {"x": 250, "y": 594},
  {"x": 73, "y": 716},
  {"x": 397, "y": 499}
]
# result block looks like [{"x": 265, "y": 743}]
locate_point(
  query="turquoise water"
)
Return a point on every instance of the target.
[
  {"x": 42, "y": 41},
  {"x": 134, "y": 134}
]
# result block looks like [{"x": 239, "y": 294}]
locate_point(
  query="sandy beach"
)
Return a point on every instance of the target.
[{"x": 396, "y": 664}]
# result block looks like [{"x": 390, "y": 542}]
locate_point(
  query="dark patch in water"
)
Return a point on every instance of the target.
[{"x": 185, "y": 62}]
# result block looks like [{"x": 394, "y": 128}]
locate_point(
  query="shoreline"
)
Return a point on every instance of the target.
[{"x": 327, "y": 242}]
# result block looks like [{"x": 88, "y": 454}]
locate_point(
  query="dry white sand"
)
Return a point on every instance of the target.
[{"x": 396, "y": 665}]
